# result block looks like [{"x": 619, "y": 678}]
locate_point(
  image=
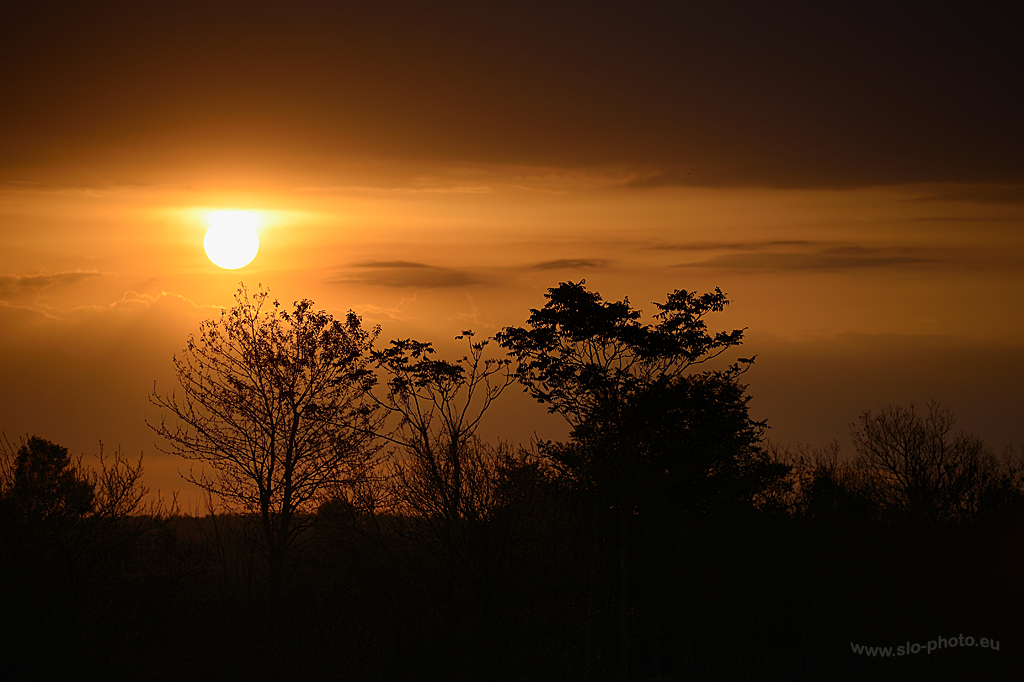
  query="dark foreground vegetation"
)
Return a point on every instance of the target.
[{"x": 666, "y": 538}]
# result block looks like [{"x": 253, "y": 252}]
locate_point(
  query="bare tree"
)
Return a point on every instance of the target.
[
  {"x": 447, "y": 485},
  {"x": 274, "y": 404},
  {"x": 439, "y": 405},
  {"x": 918, "y": 465}
]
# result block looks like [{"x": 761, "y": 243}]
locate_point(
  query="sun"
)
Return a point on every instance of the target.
[{"x": 232, "y": 242}]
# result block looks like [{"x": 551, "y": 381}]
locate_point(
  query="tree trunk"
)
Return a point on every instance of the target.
[
  {"x": 624, "y": 512},
  {"x": 591, "y": 580}
]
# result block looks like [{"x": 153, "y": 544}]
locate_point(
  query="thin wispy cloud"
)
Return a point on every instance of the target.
[
  {"x": 572, "y": 264},
  {"x": 832, "y": 258},
  {"x": 730, "y": 246},
  {"x": 21, "y": 284},
  {"x": 962, "y": 219},
  {"x": 402, "y": 274},
  {"x": 377, "y": 264},
  {"x": 662, "y": 179},
  {"x": 978, "y": 193}
]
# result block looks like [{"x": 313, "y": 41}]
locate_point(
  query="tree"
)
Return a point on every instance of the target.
[
  {"x": 697, "y": 449},
  {"x": 444, "y": 483},
  {"x": 613, "y": 378},
  {"x": 274, "y": 403},
  {"x": 439, "y": 405},
  {"x": 43, "y": 488},
  {"x": 822, "y": 485},
  {"x": 69, "y": 533},
  {"x": 625, "y": 390},
  {"x": 44, "y": 484},
  {"x": 917, "y": 466},
  {"x": 585, "y": 357}
]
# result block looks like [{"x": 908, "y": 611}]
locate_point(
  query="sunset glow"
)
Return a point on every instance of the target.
[
  {"x": 853, "y": 185},
  {"x": 524, "y": 340}
]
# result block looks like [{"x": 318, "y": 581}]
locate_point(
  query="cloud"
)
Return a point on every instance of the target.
[
  {"x": 370, "y": 310},
  {"x": 961, "y": 219},
  {"x": 902, "y": 111},
  {"x": 21, "y": 284},
  {"x": 400, "y": 274},
  {"x": 663, "y": 179},
  {"x": 13, "y": 316},
  {"x": 979, "y": 193},
  {"x": 391, "y": 188},
  {"x": 831, "y": 258},
  {"x": 572, "y": 264},
  {"x": 730, "y": 246},
  {"x": 390, "y": 264}
]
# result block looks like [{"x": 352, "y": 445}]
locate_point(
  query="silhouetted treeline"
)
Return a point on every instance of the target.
[
  {"x": 92, "y": 579},
  {"x": 666, "y": 538},
  {"x": 773, "y": 588}
]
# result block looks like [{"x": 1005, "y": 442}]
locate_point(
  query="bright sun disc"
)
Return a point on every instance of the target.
[{"x": 231, "y": 242}]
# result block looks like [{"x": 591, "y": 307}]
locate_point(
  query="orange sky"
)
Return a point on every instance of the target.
[{"x": 857, "y": 193}]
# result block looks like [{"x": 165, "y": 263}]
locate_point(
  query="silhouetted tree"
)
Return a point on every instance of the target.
[
  {"x": 595, "y": 364},
  {"x": 439, "y": 405},
  {"x": 69, "y": 535},
  {"x": 624, "y": 389},
  {"x": 696, "y": 447},
  {"x": 44, "y": 484},
  {"x": 917, "y": 466},
  {"x": 583, "y": 357},
  {"x": 274, "y": 403},
  {"x": 43, "y": 487},
  {"x": 443, "y": 478},
  {"x": 824, "y": 485}
]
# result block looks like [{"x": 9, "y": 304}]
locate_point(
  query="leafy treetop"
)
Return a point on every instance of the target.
[{"x": 582, "y": 355}]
